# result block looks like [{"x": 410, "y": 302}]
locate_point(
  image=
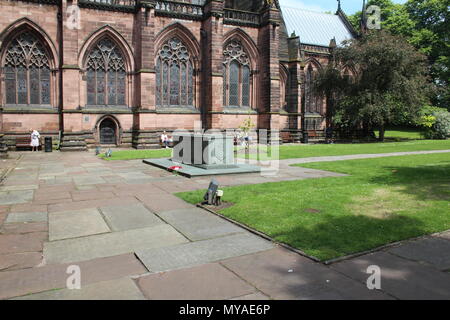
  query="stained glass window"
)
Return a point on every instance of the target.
[
  {"x": 176, "y": 75},
  {"x": 246, "y": 86},
  {"x": 158, "y": 82},
  {"x": 183, "y": 93},
  {"x": 165, "y": 76},
  {"x": 225, "y": 86},
  {"x": 234, "y": 84},
  {"x": 313, "y": 102},
  {"x": 10, "y": 81},
  {"x": 190, "y": 82},
  {"x": 27, "y": 71},
  {"x": 174, "y": 84},
  {"x": 105, "y": 74},
  {"x": 236, "y": 75}
]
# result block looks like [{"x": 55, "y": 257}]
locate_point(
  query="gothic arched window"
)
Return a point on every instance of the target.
[
  {"x": 174, "y": 75},
  {"x": 106, "y": 75},
  {"x": 27, "y": 71},
  {"x": 284, "y": 86},
  {"x": 236, "y": 75},
  {"x": 313, "y": 102}
]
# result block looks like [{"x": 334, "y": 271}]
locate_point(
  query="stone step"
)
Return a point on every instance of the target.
[{"x": 65, "y": 149}]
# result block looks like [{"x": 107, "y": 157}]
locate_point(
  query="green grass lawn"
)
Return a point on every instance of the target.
[
  {"x": 381, "y": 201},
  {"x": 399, "y": 134},
  {"x": 138, "y": 154},
  {"x": 319, "y": 150}
]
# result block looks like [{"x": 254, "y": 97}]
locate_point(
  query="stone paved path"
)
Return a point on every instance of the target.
[{"x": 133, "y": 239}]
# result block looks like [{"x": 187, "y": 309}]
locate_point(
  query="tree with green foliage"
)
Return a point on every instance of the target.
[
  {"x": 431, "y": 35},
  {"x": 424, "y": 24},
  {"x": 389, "y": 81}
]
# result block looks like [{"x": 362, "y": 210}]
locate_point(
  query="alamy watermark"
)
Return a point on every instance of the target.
[
  {"x": 73, "y": 17},
  {"x": 373, "y": 21},
  {"x": 74, "y": 280},
  {"x": 374, "y": 280}
]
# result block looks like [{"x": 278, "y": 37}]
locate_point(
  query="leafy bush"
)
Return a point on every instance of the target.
[{"x": 437, "y": 125}]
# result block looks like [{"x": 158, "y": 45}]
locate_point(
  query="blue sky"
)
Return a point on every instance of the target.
[{"x": 349, "y": 6}]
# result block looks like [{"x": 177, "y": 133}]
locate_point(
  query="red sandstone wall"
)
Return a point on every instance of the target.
[
  {"x": 25, "y": 122},
  {"x": 234, "y": 121}
]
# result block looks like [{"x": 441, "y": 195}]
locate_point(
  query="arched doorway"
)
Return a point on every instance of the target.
[{"x": 108, "y": 132}]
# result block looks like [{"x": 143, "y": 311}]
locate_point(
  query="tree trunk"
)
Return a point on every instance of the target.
[{"x": 381, "y": 133}]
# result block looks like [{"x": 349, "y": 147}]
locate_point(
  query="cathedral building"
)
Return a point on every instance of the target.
[{"x": 119, "y": 72}]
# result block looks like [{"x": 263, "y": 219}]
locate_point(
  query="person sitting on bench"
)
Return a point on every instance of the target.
[
  {"x": 34, "y": 140},
  {"x": 165, "y": 139}
]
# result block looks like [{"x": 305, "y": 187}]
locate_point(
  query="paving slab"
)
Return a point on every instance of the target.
[
  {"x": 435, "y": 251},
  {"x": 18, "y": 243},
  {"x": 21, "y": 282},
  {"x": 26, "y": 217},
  {"x": 87, "y": 204},
  {"x": 141, "y": 180},
  {"x": 24, "y": 227},
  {"x": 162, "y": 202},
  {"x": 15, "y": 197},
  {"x": 118, "y": 289},
  {"x": 200, "y": 252},
  {"x": 132, "y": 216},
  {"x": 402, "y": 278},
  {"x": 41, "y": 196},
  {"x": 91, "y": 195},
  {"x": 87, "y": 180},
  {"x": 53, "y": 201},
  {"x": 90, "y": 187},
  {"x": 20, "y": 260},
  {"x": 123, "y": 189},
  {"x": 19, "y": 188},
  {"x": 133, "y": 175},
  {"x": 51, "y": 189},
  {"x": 72, "y": 224},
  {"x": 197, "y": 224},
  {"x": 10, "y": 182},
  {"x": 62, "y": 180},
  {"x": 110, "y": 244},
  {"x": 205, "y": 282},
  {"x": 282, "y": 274},
  {"x": 113, "y": 179},
  {"x": 29, "y": 207}
]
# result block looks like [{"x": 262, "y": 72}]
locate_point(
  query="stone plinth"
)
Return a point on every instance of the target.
[
  {"x": 203, "y": 155},
  {"x": 206, "y": 151}
]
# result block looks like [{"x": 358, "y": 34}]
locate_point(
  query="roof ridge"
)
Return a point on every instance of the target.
[{"x": 307, "y": 10}]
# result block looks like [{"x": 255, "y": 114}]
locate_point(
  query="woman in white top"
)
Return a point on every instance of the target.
[
  {"x": 165, "y": 139},
  {"x": 35, "y": 140}
]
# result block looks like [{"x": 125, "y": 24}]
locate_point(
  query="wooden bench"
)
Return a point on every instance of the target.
[
  {"x": 287, "y": 137},
  {"x": 24, "y": 142}
]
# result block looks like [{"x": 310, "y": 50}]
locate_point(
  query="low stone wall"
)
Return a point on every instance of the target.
[
  {"x": 3, "y": 148},
  {"x": 9, "y": 138}
]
